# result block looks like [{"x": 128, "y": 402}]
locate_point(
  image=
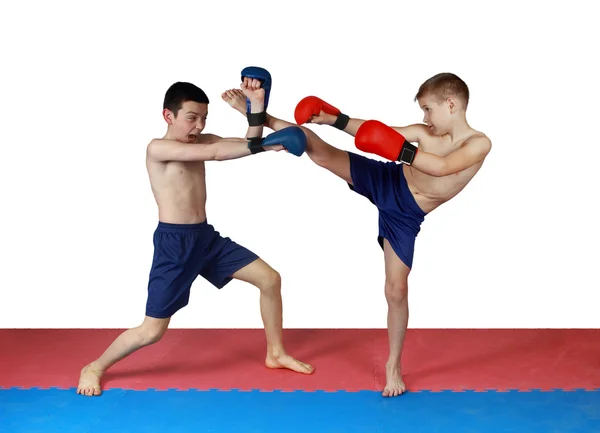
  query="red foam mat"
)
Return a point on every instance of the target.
[{"x": 345, "y": 359}]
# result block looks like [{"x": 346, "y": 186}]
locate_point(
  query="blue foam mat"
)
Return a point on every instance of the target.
[{"x": 58, "y": 410}]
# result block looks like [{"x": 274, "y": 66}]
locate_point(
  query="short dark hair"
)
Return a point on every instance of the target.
[
  {"x": 445, "y": 85},
  {"x": 181, "y": 92}
]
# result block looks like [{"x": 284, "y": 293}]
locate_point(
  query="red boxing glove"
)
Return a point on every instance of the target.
[
  {"x": 312, "y": 106},
  {"x": 378, "y": 138}
]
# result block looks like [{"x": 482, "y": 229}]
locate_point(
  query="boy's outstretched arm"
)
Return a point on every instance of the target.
[
  {"x": 161, "y": 150},
  {"x": 291, "y": 139}
]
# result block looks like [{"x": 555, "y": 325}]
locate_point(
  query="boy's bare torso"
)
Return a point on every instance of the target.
[
  {"x": 179, "y": 188},
  {"x": 430, "y": 191}
]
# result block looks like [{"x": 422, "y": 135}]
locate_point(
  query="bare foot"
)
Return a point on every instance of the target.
[
  {"x": 395, "y": 385},
  {"x": 235, "y": 98},
  {"x": 286, "y": 361},
  {"x": 89, "y": 381}
]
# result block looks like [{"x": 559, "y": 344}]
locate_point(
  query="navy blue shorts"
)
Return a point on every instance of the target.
[
  {"x": 181, "y": 253},
  {"x": 384, "y": 184}
]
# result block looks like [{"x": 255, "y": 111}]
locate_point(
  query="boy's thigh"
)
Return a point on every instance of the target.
[{"x": 229, "y": 260}]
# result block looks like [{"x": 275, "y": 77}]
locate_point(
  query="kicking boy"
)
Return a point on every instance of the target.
[
  {"x": 448, "y": 156},
  {"x": 185, "y": 245}
]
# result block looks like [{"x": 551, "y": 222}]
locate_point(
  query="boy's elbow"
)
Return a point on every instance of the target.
[{"x": 215, "y": 154}]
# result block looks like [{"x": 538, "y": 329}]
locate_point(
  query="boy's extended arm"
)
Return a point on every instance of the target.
[{"x": 220, "y": 149}]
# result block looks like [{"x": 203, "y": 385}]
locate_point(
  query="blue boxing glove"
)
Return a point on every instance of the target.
[
  {"x": 292, "y": 138},
  {"x": 254, "y": 72}
]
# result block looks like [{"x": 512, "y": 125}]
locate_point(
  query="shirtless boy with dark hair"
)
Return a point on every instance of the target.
[{"x": 185, "y": 244}]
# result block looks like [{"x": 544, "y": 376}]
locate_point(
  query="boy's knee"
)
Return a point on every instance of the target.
[
  {"x": 152, "y": 330},
  {"x": 396, "y": 292},
  {"x": 270, "y": 281},
  {"x": 310, "y": 134}
]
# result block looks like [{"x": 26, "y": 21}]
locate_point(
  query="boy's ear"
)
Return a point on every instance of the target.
[
  {"x": 452, "y": 105},
  {"x": 168, "y": 116}
]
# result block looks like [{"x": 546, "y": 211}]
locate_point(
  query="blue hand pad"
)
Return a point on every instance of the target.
[
  {"x": 264, "y": 76},
  {"x": 292, "y": 138}
]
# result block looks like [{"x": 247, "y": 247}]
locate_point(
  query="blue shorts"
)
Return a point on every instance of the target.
[
  {"x": 384, "y": 184},
  {"x": 181, "y": 253}
]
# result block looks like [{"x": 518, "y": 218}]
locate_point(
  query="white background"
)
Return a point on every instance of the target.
[{"x": 81, "y": 96}]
